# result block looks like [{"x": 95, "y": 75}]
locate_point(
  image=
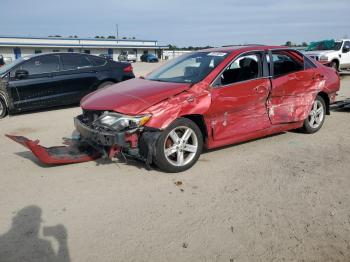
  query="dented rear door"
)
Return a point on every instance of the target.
[{"x": 292, "y": 92}]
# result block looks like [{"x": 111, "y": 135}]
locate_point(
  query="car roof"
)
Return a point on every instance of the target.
[
  {"x": 242, "y": 48},
  {"x": 58, "y": 53}
]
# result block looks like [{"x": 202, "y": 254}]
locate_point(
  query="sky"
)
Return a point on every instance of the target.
[{"x": 179, "y": 22}]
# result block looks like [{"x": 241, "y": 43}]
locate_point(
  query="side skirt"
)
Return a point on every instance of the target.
[{"x": 253, "y": 135}]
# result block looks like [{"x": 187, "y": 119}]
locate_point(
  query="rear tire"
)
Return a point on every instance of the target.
[
  {"x": 3, "y": 108},
  {"x": 316, "y": 118},
  {"x": 179, "y": 146},
  {"x": 105, "y": 84}
]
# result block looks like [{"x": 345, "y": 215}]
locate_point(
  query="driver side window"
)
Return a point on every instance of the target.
[{"x": 244, "y": 68}]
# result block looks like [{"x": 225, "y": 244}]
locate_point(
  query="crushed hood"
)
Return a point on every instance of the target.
[{"x": 131, "y": 96}]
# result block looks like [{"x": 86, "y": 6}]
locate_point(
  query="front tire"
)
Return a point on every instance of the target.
[
  {"x": 316, "y": 118},
  {"x": 179, "y": 146},
  {"x": 3, "y": 108}
]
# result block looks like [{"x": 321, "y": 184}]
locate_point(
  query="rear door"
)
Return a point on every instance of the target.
[
  {"x": 295, "y": 83},
  {"x": 78, "y": 77},
  {"x": 41, "y": 88},
  {"x": 239, "y": 98}
]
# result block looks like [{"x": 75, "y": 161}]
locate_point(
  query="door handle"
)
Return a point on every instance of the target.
[
  {"x": 293, "y": 77},
  {"x": 260, "y": 89}
]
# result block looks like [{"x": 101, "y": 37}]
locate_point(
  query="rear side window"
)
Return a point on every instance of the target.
[
  {"x": 284, "y": 63},
  {"x": 97, "y": 61},
  {"x": 41, "y": 65},
  {"x": 74, "y": 62}
]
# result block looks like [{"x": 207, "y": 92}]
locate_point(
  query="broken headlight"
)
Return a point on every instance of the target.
[{"x": 119, "y": 122}]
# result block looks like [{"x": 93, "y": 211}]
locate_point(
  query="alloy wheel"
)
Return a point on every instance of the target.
[
  {"x": 316, "y": 115},
  {"x": 180, "y": 146}
]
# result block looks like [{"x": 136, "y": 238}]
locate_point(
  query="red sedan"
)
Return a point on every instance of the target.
[{"x": 209, "y": 98}]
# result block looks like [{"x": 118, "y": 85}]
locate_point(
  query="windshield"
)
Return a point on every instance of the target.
[
  {"x": 324, "y": 45},
  {"x": 7, "y": 67},
  {"x": 190, "y": 68}
]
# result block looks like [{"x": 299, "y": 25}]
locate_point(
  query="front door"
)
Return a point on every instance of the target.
[
  {"x": 294, "y": 86},
  {"x": 40, "y": 88},
  {"x": 239, "y": 99}
]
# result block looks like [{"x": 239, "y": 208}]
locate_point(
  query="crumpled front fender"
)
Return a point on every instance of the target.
[{"x": 196, "y": 101}]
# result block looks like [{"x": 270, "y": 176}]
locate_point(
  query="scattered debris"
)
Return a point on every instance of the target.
[
  {"x": 178, "y": 183},
  {"x": 343, "y": 104}
]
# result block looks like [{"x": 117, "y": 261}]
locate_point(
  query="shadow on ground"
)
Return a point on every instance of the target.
[{"x": 23, "y": 242}]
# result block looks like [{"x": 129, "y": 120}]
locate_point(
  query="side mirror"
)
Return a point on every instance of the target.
[
  {"x": 346, "y": 49},
  {"x": 21, "y": 74}
]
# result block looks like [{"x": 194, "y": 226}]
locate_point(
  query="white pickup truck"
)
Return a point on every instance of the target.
[{"x": 332, "y": 53}]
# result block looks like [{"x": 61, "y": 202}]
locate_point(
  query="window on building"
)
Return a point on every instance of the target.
[
  {"x": 70, "y": 50},
  {"x": 87, "y": 51},
  {"x": 41, "y": 65},
  {"x": 38, "y": 51},
  {"x": 75, "y": 61}
]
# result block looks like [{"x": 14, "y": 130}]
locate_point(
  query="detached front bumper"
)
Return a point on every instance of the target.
[
  {"x": 100, "y": 138},
  {"x": 94, "y": 144}
]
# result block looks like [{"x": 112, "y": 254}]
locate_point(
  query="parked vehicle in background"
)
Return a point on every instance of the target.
[
  {"x": 47, "y": 80},
  {"x": 128, "y": 56},
  {"x": 106, "y": 56},
  {"x": 2, "y": 62},
  {"x": 149, "y": 58},
  {"x": 332, "y": 53}
]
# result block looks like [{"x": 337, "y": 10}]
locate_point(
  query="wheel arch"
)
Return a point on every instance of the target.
[
  {"x": 336, "y": 60},
  {"x": 4, "y": 97},
  {"x": 326, "y": 99},
  {"x": 107, "y": 80},
  {"x": 199, "y": 121}
]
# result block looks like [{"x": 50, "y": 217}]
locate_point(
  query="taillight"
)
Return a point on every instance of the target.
[{"x": 128, "y": 69}]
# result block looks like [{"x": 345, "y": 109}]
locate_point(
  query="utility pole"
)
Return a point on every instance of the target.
[{"x": 117, "y": 30}]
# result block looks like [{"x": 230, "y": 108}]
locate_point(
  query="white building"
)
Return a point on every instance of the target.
[{"x": 14, "y": 47}]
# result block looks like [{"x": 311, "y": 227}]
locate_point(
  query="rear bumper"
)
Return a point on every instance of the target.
[{"x": 98, "y": 137}]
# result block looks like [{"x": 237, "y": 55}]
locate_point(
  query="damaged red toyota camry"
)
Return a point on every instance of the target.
[{"x": 209, "y": 98}]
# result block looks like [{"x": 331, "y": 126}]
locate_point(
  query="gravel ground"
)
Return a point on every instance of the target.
[{"x": 281, "y": 198}]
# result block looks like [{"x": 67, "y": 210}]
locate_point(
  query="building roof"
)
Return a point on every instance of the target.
[
  {"x": 78, "y": 38},
  {"x": 21, "y": 41}
]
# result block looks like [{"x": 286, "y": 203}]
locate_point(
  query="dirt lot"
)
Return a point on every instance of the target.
[{"x": 281, "y": 198}]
